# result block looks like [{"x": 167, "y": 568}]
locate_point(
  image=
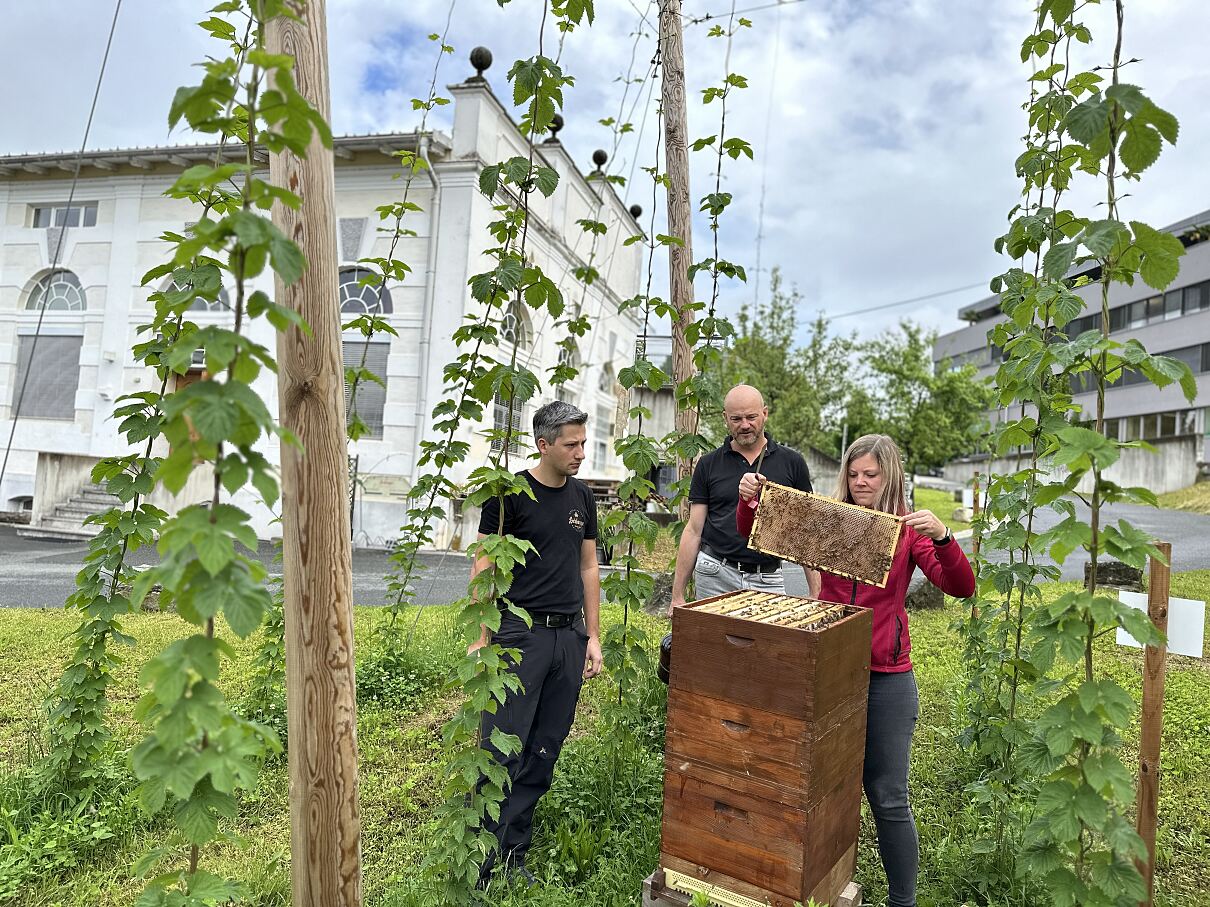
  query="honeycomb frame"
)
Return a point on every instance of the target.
[
  {"x": 775, "y": 609},
  {"x": 879, "y": 529}
]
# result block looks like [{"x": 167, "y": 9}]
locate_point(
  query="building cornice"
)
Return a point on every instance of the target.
[
  {"x": 587, "y": 182},
  {"x": 350, "y": 150}
]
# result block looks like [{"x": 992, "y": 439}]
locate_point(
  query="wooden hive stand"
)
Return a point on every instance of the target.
[{"x": 763, "y": 756}]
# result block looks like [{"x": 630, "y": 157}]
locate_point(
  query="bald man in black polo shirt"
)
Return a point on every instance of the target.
[{"x": 711, "y": 548}]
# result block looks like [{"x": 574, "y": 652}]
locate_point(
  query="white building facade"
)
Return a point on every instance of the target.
[{"x": 67, "y": 324}]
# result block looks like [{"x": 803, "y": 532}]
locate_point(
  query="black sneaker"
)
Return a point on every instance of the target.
[
  {"x": 520, "y": 873},
  {"x": 485, "y": 872}
]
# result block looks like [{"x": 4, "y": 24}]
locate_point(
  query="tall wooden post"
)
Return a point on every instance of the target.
[
  {"x": 680, "y": 212},
  {"x": 1154, "y": 664},
  {"x": 325, "y": 820}
]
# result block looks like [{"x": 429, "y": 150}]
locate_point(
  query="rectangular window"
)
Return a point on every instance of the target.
[
  {"x": 501, "y": 412},
  {"x": 1190, "y": 355},
  {"x": 371, "y": 396},
  {"x": 1113, "y": 428},
  {"x": 1138, "y": 314},
  {"x": 604, "y": 433},
  {"x": 1197, "y": 297},
  {"x": 1172, "y": 305},
  {"x": 1118, "y": 318},
  {"x": 54, "y": 377},
  {"x": 80, "y": 215},
  {"x": 1167, "y": 425},
  {"x": 1187, "y": 422},
  {"x": 1133, "y": 425},
  {"x": 1155, "y": 309}
]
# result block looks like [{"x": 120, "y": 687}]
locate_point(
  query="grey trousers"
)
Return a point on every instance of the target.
[
  {"x": 712, "y": 577},
  {"x": 894, "y": 707}
]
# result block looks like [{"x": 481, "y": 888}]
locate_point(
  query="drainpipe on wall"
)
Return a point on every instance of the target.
[{"x": 426, "y": 316}]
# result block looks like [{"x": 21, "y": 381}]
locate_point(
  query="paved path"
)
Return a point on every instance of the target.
[
  {"x": 1189, "y": 534},
  {"x": 42, "y": 574}
]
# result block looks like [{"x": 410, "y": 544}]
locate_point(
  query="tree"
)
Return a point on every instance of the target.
[
  {"x": 806, "y": 386},
  {"x": 934, "y": 414}
]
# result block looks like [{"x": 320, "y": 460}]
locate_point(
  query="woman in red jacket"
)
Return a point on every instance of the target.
[{"x": 871, "y": 475}]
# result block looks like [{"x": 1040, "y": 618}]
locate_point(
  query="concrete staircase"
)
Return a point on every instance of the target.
[{"x": 66, "y": 522}]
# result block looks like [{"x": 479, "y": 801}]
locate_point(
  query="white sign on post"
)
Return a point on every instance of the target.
[
  {"x": 1186, "y": 624},
  {"x": 968, "y": 498}
]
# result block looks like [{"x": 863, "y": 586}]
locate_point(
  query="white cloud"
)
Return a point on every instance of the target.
[{"x": 892, "y": 133}]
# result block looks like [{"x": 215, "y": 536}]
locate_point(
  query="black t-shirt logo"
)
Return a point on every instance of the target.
[{"x": 575, "y": 520}]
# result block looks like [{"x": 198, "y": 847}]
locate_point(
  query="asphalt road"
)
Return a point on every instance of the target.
[
  {"x": 42, "y": 574},
  {"x": 1189, "y": 534}
]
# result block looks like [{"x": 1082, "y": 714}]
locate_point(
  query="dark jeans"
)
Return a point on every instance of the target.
[
  {"x": 894, "y": 708},
  {"x": 551, "y": 670}
]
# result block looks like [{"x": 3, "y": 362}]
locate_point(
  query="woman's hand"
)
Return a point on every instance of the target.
[
  {"x": 926, "y": 523},
  {"x": 749, "y": 485}
]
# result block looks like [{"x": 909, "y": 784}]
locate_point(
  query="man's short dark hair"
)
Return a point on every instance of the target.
[{"x": 550, "y": 419}]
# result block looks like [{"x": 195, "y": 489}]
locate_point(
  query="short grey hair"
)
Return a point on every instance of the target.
[{"x": 550, "y": 419}]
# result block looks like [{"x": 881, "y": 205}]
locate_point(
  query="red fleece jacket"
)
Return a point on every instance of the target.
[{"x": 945, "y": 566}]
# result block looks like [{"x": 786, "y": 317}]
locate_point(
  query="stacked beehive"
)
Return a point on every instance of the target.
[{"x": 765, "y": 743}]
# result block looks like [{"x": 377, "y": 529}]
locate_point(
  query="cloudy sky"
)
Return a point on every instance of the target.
[{"x": 885, "y": 132}]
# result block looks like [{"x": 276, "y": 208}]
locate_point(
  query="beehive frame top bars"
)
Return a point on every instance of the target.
[{"x": 818, "y": 532}]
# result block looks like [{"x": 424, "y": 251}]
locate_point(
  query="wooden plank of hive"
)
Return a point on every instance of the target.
[
  {"x": 763, "y": 754},
  {"x": 735, "y": 602},
  {"x": 767, "y": 666},
  {"x": 818, "y": 532}
]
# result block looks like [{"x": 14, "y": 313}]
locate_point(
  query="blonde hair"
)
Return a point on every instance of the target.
[{"x": 886, "y": 453}]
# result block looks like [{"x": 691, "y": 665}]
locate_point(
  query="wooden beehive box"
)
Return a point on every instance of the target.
[{"x": 764, "y": 751}]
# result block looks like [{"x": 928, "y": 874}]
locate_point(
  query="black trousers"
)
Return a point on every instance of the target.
[{"x": 551, "y": 671}]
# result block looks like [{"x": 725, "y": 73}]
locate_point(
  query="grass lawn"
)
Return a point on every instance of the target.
[
  {"x": 598, "y": 830},
  {"x": 942, "y": 504},
  {"x": 1195, "y": 498}
]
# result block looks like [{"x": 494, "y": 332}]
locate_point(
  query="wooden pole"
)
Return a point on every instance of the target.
[
  {"x": 680, "y": 213},
  {"x": 1154, "y": 664},
  {"x": 325, "y": 820},
  {"x": 976, "y": 509}
]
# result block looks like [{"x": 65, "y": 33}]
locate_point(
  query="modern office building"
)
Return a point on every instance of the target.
[
  {"x": 84, "y": 306},
  {"x": 1175, "y": 323}
]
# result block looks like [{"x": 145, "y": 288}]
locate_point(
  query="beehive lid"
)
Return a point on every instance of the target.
[{"x": 818, "y": 532}]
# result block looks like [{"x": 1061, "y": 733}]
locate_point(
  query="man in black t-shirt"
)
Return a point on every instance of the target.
[
  {"x": 558, "y": 586},
  {"x": 711, "y": 548}
]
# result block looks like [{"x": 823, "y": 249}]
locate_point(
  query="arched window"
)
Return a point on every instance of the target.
[
  {"x": 222, "y": 303},
  {"x": 570, "y": 356},
  {"x": 58, "y": 291},
  {"x": 515, "y": 327},
  {"x": 357, "y": 298}
]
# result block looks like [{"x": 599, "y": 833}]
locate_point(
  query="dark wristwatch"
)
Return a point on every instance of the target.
[{"x": 945, "y": 539}]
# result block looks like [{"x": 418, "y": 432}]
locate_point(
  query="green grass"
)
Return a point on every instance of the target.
[
  {"x": 1195, "y": 498},
  {"x": 598, "y": 830},
  {"x": 942, "y": 504}
]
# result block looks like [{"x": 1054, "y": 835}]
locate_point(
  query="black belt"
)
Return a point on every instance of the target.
[
  {"x": 741, "y": 566},
  {"x": 553, "y": 620}
]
